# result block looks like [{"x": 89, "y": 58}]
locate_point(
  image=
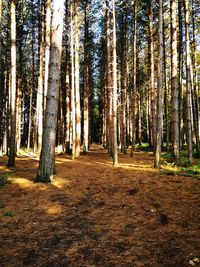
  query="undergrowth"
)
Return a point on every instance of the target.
[{"x": 4, "y": 179}]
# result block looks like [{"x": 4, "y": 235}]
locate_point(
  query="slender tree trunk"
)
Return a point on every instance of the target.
[
  {"x": 152, "y": 77},
  {"x": 39, "y": 107},
  {"x": 174, "y": 82},
  {"x": 77, "y": 90},
  {"x": 47, "y": 158},
  {"x": 18, "y": 115},
  {"x": 188, "y": 83},
  {"x": 72, "y": 84},
  {"x": 47, "y": 48},
  {"x": 180, "y": 75},
  {"x": 68, "y": 89},
  {"x": 108, "y": 81},
  {"x": 115, "y": 153},
  {"x": 157, "y": 161},
  {"x": 12, "y": 143},
  {"x": 134, "y": 82},
  {"x": 196, "y": 110},
  {"x": 86, "y": 85}
]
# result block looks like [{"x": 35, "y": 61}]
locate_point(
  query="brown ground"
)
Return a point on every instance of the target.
[{"x": 97, "y": 215}]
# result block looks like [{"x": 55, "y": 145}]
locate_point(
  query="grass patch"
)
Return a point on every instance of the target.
[
  {"x": 4, "y": 179},
  {"x": 8, "y": 213}
]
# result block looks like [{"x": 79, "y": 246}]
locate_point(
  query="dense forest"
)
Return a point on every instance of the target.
[
  {"x": 116, "y": 77},
  {"x": 122, "y": 74}
]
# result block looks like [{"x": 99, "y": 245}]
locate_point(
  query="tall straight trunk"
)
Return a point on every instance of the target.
[
  {"x": 108, "y": 80},
  {"x": 30, "y": 113},
  {"x": 188, "y": 83},
  {"x": 18, "y": 115},
  {"x": 39, "y": 107},
  {"x": 86, "y": 85},
  {"x": 174, "y": 82},
  {"x": 123, "y": 84},
  {"x": 47, "y": 158},
  {"x": 140, "y": 106},
  {"x": 67, "y": 77},
  {"x": 2, "y": 102},
  {"x": 166, "y": 108},
  {"x": 160, "y": 86},
  {"x": 180, "y": 63},
  {"x": 196, "y": 110},
  {"x": 73, "y": 104},
  {"x": 77, "y": 90},
  {"x": 47, "y": 48},
  {"x": 12, "y": 143},
  {"x": 152, "y": 77},
  {"x": 115, "y": 153},
  {"x": 134, "y": 81}
]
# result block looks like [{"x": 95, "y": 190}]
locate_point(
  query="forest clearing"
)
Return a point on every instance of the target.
[{"x": 96, "y": 215}]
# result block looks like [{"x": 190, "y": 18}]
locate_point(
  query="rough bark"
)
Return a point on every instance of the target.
[
  {"x": 47, "y": 158},
  {"x": 86, "y": 85},
  {"x": 73, "y": 105},
  {"x": 39, "y": 106},
  {"x": 47, "y": 48},
  {"x": 115, "y": 96},
  {"x": 12, "y": 143},
  {"x": 157, "y": 161},
  {"x": 77, "y": 89},
  {"x": 188, "y": 83},
  {"x": 174, "y": 82}
]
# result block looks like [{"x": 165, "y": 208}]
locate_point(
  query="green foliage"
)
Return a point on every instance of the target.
[
  {"x": 195, "y": 169},
  {"x": 144, "y": 147},
  {"x": 4, "y": 179},
  {"x": 2, "y": 205},
  {"x": 8, "y": 213}
]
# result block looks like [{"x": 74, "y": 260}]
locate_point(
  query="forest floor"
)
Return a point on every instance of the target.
[{"x": 97, "y": 215}]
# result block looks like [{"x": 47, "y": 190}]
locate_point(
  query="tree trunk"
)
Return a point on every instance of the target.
[
  {"x": 180, "y": 75},
  {"x": 174, "y": 82},
  {"x": 108, "y": 81},
  {"x": 157, "y": 161},
  {"x": 134, "y": 82},
  {"x": 72, "y": 84},
  {"x": 115, "y": 153},
  {"x": 77, "y": 90},
  {"x": 47, "y": 48},
  {"x": 39, "y": 107},
  {"x": 152, "y": 77},
  {"x": 12, "y": 143},
  {"x": 86, "y": 85},
  {"x": 188, "y": 83},
  {"x": 47, "y": 158}
]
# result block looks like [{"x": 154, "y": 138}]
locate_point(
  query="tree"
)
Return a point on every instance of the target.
[
  {"x": 174, "y": 82},
  {"x": 115, "y": 153},
  {"x": 77, "y": 89},
  {"x": 12, "y": 143},
  {"x": 47, "y": 158},
  {"x": 188, "y": 83},
  {"x": 86, "y": 83},
  {"x": 160, "y": 86}
]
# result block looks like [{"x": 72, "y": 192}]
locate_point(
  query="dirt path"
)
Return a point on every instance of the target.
[{"x": 97, "y": 215}]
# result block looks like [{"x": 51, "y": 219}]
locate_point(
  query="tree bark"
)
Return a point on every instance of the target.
[
  {"x": 174, "y": 82},
  {"x": 115, "y": 96},
  {"x": 188, "y": 83},
  {"x": 157, "y": 161},
  {"x": 77, "y": 89},
  {"x": 47, "y": 158},
  {"x": 12, "y": 143}
]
